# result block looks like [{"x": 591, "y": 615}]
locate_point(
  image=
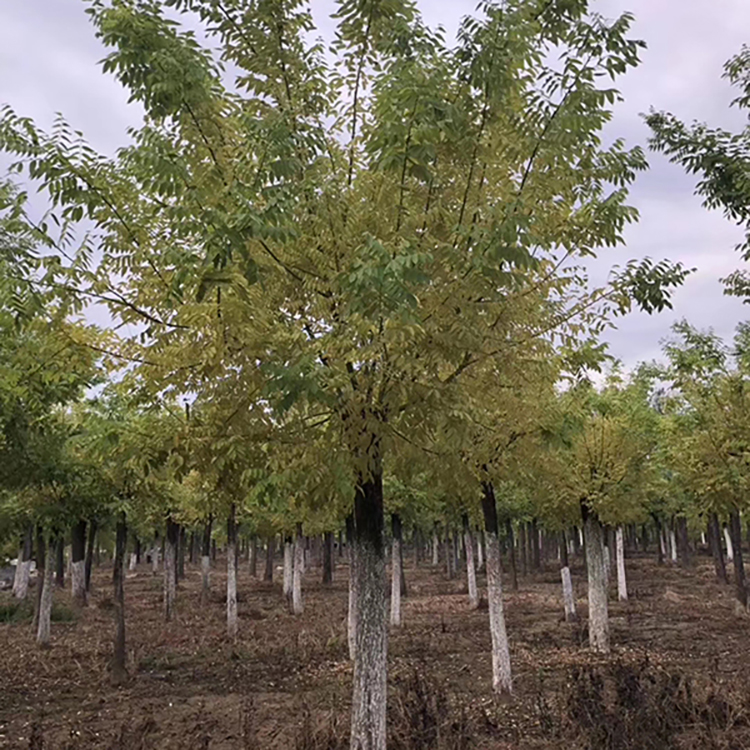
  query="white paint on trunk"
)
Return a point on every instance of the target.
[
  {"x": 662, "y": 543},
  {"x": 232, "y": 590},
  {"x": 298, "y": 570},
  {"x": 435, "y": 550},
  {"x": 351, "y": 620},
  {"x": 730, "y": 546},
  {"x": 45, "y": 604},
  {"x": 580, "y": 538},
  {"x": 396, "y": 583},
  {"x": 170, "y": 583},
  {"x": 672, "y": 546},
  {"x": 133, "y": 561},
  {"x": 480, "y": 552},
  {"x": 371, "y": 651},
  {"x": 622, "y": 582},
  {"x": 501, "y": 675},
  {"x": 288, "y": 566},
  {"x": 154, "y": 559},
  {"x": 205, "y": 577},
  {"x": 597, "y": 585},
  {"x": 471, "y": 573},
  {"x": 78, "y": 581},
  {"x": 21, "y": 578},
  {"x": 607, "y": 564},
  {"x": 703, "y": 538},
  {"x": 569, "y": 602}
]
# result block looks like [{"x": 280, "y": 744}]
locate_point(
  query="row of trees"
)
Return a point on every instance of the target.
[{"x": 360, "y": 268}]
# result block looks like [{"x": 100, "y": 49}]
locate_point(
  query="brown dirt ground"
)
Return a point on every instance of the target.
[{"x": 287, "y": 679}]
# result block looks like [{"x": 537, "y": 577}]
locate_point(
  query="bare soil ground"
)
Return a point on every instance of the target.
[{"x": 678, "y": 675}]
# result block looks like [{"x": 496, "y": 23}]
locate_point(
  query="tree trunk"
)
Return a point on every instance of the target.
[
  {"x": 660, "y": 551},
  {"x": 286, "y": 587},
  {"x": 170, "y": 568},
  {"x": 368, "y": 731},
  {"x": 231, "y": 574},
  {"x": 396, "y": 570},
  {"x": 328, "y": 557},
  {"x": 522, "y": 547},
  {"x": 714, "y": 538},
  {"x": 512, "y": 554},
  {"x": 683, "y": 543},
  {"x": 501, "y": 674},
  {"x": 740, "y": 585},
  {"x": 569, "y": 602},
  {"x": 60, "y": 562},
  {"x": 593, "y": 537},
  {"x": 298, "y": 569},
  {"x": 351, "y": 618},
  {"x": 435, "y": 547},
  {"x": 730, "y": 546},
  {"x": 191, "y": 548},
  {"x": 119, "y": 669},
  {"x": 270, "y": 551},
  {"x": 622, "y": 583},
  {"x": 480, "y": 551},
  {"x": 45, "y": 605},
  {"x": 449, "y": 558},
  {"x": 78, "y": 563},
  {"x": 206, "y": 561},
  {"x": 536, "y": 553},
  {"x": 672, "y": 544},
  {"x": 252, "y": 562},
  {"x": 41, "y": 548},
  {"x": 155, "y": 554},
  {"x": 181, "y": 544},
  {"x": 90, "y": 546},
  {"x": 23, "y": 566},
  {"x": 471, "y": 573}
]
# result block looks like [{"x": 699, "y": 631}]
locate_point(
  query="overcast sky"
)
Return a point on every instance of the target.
[{"x": 49, "y": 63}]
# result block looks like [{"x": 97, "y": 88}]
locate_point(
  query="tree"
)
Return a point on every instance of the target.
[{"x": 355, "y": 233}]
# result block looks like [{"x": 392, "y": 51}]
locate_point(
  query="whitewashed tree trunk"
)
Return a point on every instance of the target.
[
  {"x": 471, "y": 573},
  {"x": 672, "y": 546},
  {"x": 288, "y": 567},
  {"x": 396, "y": 583},
  {"x": 170, "y": 579},
  {"x": 133, "y": 561},
  {"x": 298, "y": 570},
  {"x": 480, "y": 552},
  {"x": 435, "y": 549},
  {"x": 205, "y": 577},
  {"x": 45, "y": 604},
  {"x": 78, "y": 581},
  {"x": 569, "y": 602},
  {"x": 703, "y": 538},
  {"x": 232, "y": 588},
  {"x": 597, "y": 584},
  {"x": 21, "y": 578},
  {"x": 155, "y": 559},
  {"x": 501, "y": 673},
  {"x": 622, "y": 583},
  {"x": 606, "y": 559},
  {"x": 730, "y": 547}
]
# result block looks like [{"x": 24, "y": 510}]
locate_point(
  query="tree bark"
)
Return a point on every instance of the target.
[
  {"x": 231, "y": 574},
  {"x": 41, "y": 548},
  {"x": 593, "y": 537},
  {"x": 119, "y": 668},
  {"x": 730, "y": 546},
  {"x": 683, "y": 543},
  {"x": 252, "y": 562},
  {"x": 522, "y": 548},
  {"x": 298, "y": 570},
  {"x": 91, "y": 545},
  {"x": 735, "y": 529},
  {"x": 622, "y": 583},
  {"x": 206, "y": 561},
  {"x": 536, "y": 553},
  {"x": 23, "y": 566},
  {"x": 569, "y": 602},
  {"x": 471, "y": 573},
  {"x": 78, "y": 563},
  {"x": 60, "y": 562},
  {"x": 660, "y": 551},
  {"x": 181, "y": 543},
  {"x": 286, "y": 587},
  {"x": 351, "y": 618},
  {"x": 170, "y": 568},
  {"x": 368, "y": 730},
  {"x": 396, "y": 570},
  {"x": 435, "y": 547},
  {"x": 714, "y": 538},
  {"x": 328, "y": 557},
  {"x": 45, "y": 605},
  {"x": 270, "y": 551},
  {"x": 450, "y": 561},
  {"x": 480, "y": 551},
  {"x": 512, "y": 554},
  {"x": 501, "y": 672},
  {"x": 672, "y": 544}
]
